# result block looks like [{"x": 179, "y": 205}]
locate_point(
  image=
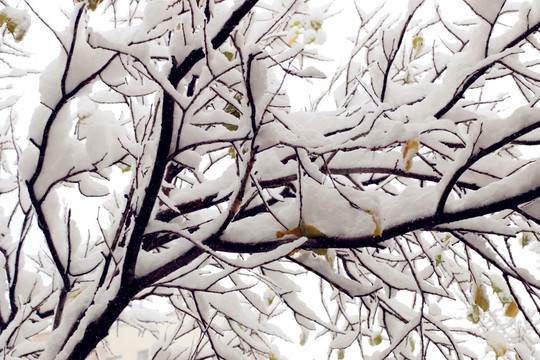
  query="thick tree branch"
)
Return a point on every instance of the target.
[
  {"x": 129, "y": 285},
  {"x": 167, "y": 119},
  {"x": 427, "y": 222}
]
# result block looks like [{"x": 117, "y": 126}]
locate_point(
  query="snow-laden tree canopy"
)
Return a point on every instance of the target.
[{"x": 395, "y": 217}]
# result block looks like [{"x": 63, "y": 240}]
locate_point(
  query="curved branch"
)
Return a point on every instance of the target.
[
  {"x": 477, "y": 156},
  {"x": 393, "y": 54},
  {"x": 426, "y": 222},
  {"x": 481, "y": 71}
]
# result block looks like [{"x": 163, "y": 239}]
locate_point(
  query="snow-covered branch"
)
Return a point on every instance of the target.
[{"x": 167, "y": 163}]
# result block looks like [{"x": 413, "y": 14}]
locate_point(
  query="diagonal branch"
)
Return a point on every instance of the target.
[
  {"x": 130, "y": 286},
  {"x": 394, "y": 52},
  {"x": 167, "y": 119},
  {"x": 71, "y": 50},
  {"x": 481, "y": 71},
  {"x": 477, "y": 156}
]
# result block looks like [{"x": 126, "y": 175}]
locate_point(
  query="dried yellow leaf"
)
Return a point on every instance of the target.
[
  {"x": 481, "y": 299},
  {"x": 310, "y": 230},
  {"x": 293, "y": 38},
  {"x": 474, "y": 314},
  {"x": 303, "y": 337},
  {"x": 293, "y": 252},
  {"x": 499, "y": 351},
  {"x": 303, "y": 229},
  {"x": 409, "y": 151},
  {"x": 418, "y": 44},
  {"x": 376, "y": 221},
  {"x": 296, "y": 232},
  {"x": 92, "y": 4},
  {"x": 411, "y": 344},
  {"x": 512, "y": 309},
  {"x": 375, "y": 340}
]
